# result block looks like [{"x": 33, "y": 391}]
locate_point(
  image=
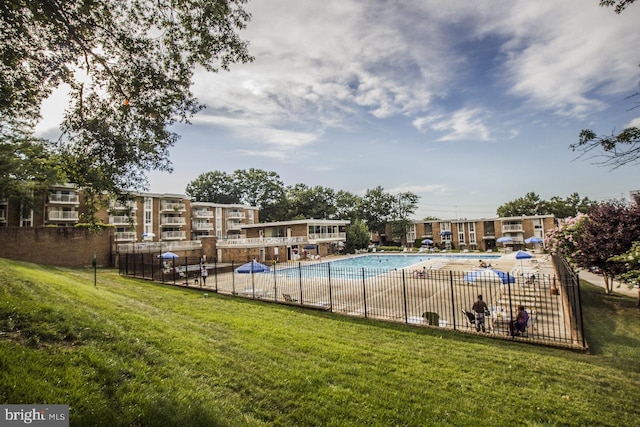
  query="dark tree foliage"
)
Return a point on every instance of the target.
[
  {"x": 532, "y": 204},
  {"x": 619, "y": 4},
  {"x": 610, "y": 229},
  {"x": 129, "y": 65}
]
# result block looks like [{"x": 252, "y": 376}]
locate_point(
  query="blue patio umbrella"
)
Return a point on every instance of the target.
[
  {"x": 446, "y": 233},
  {"x": 168, "y": 255},
  {"x": 487, "y": 275},
  {"x": 534, "y": 240},
  {"x": 522, "y": 255},
  {"x": 505, "y": 239},
  {"x": 252, "y": 267},
  {"x": 427, "y": 242}
]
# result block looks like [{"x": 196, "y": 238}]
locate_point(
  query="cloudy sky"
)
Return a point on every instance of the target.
[{"x": 467, "y": 104}]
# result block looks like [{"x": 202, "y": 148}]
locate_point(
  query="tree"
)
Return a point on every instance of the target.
[
  {"x": 264, "y": 190},
  {"x": 348, "y": 206},
  {"x": 215, "y": 187},
  {"x": 569, "y": 207},
  {"x": 403, "y": 205},
  {"x": 607, "y": 230},
  {"x": 631, "y": 262},
  {"x": 129, "y": 66},
  {"x": 616, "y": 150},
  {"x": 306, "y": 202},
  {"x": 27, "y": 166},
  {"x": 530, "y": 204},
  {"x": 376, "y": 209},
  {"x": 358, "y": 236}
]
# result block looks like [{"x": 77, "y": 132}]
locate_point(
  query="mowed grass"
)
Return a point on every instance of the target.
[{"x": 131, "y": 352}]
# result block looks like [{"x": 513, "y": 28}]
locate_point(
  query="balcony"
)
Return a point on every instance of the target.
[
  {"x": 202, "y": 213},
  {"x": 511, "y": 228},
  {"x": 64, "y": 198},
  {"x": 236, "y": 215},
  {"x": 127, "y": 236},
  {"x": 122, "y": 220},
  {"x": 172, "y": 206},
  {"x": 202, "y": 226},
  {"x": 63, "y": 216},
  {"x": 173, "y": 221},
  {"x": 234, "y": 225},
  {"x": 123, "y": 206},
  {"x": 327, "y": 236},
  {"x": 173, "y": 235},
  {"x": 259, "y": 242}
]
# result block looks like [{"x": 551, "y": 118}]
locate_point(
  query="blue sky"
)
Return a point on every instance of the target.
[{"x": 467, "y": 104}]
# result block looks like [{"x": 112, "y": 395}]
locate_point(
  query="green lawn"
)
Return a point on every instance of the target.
[{"x": 131, "y": 352}]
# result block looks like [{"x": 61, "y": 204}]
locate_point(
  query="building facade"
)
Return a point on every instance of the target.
[{"x": 481, "y": 234}]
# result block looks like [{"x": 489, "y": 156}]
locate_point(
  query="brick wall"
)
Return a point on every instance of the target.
[{"x": 60, "y": 246}]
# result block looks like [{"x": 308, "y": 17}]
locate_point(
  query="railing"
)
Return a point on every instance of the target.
[
  {"x": 236, "y": 215},
  {"x": 201, "y": 225},
  {"x": 202, "y": 213},
  {"x": 173, "y": 220},
  {"x": 172, "y": 206},
  {"x": 512, "y": 227},
  {"x": 261, "y": 241},
  {"x": 119, "y": 205},
  {"x": 63, "y": 198},
  {"x": 63, "y": 215},
  {"x": 157, "y": 247},
  {"x": 165, "y": 235},
  {"x": 125, "y": 236},
  {"x": 122, "y": 220},
  {"x": 327, "y": 236},
  {"x": 436, "y": 298}
]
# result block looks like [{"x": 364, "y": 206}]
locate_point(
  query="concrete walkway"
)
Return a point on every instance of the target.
[{"x": 618, "y": 287}]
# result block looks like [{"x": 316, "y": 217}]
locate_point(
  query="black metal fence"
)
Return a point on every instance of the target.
[{"x": 436, "y": 297}]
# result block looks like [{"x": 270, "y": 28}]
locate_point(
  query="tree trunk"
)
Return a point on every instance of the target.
[{"x": 608, "y": 283}]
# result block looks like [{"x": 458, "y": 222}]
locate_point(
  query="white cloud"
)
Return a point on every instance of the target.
[
  {"x": 438, "y": 189},
  {"x": 633, "y": 123},
  {"x": 464, "y": 124}
]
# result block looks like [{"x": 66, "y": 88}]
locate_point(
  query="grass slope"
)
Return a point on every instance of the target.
[{"x": 129, "y": 352}]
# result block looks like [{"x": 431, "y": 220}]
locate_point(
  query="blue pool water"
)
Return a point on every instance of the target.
[{"x": 367, "y": 265}]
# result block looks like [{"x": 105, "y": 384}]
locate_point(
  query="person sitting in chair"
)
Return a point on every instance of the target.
[
  {"x": 479, "y": 308},
  {"x": 519, "y": 325}
]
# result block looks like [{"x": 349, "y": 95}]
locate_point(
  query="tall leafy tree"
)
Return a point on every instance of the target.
[
  {"x": 570, "y": 206},
  {"x": 264, "y": 190},
  {"x": 358, "y": 236},
  {"x": 608, "y": 229},
  {"x": 376, "y": 209},
  {"x": 631, "y": 262},
  {"x": 306, "y": 202},
  {"x": 530, "y": 204},
  {"x": 403, "y": 206},
  {"x": 216, "y": 187},
  {"x": 348, "y": 206},
  {"x": 129, "y": 66}
]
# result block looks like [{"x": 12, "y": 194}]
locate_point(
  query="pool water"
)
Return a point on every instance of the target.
[{"x": 368, "y": 265}]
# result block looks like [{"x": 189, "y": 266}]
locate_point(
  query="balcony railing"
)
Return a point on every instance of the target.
[
  {"x": 173, "y": 235},
  {"x": 327, "y": 236},
  {"x": 236, "y": 215},
  {"x": 234, "y": 225},
  {"x": 122, "y": 220},
  {"x": 172, "y": 206},
  {"x": 202, "y": 226},
  {"x": 63, "y": 215},
  {"x": 126, "y": 236},
  {"x": 260, "y": 241},
  {"x": 119, "y": 205},
  {"x": 202, "y": 213},
  {"x": 173, "y": 220},
  {"x": 63, "y": 198},
  {"x": 512, "y": 227}
]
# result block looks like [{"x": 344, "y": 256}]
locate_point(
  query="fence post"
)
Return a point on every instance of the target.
[
  {"x": 233, "y": 278},
  {"x": 510, "y": 305},
  {"x": 584, "y": 344},
  {"x": 330, "y": 290},
  {"x": 404, "y": 294},
  {"x": 300, "y": 282},
  {"x": 453, "y": 300},
  {"x": 364, "y": 293},
  {"x": 215, "y": 273}
]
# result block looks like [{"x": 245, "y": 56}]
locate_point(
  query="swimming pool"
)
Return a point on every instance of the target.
[{"x": 369, "y": 265}]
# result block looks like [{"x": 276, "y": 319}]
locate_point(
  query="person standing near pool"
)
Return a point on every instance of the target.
[{"x": 479, "y": 308}]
